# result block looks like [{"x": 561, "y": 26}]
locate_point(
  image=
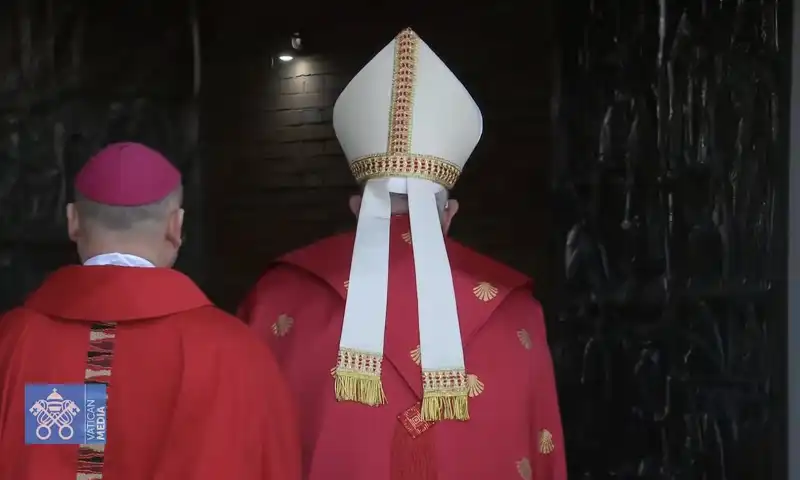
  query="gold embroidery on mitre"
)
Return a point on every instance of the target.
[
  {"x": 474, "y": 385},
  {"x": 524, "y": 469},
  {"x": 546, "y": 444},
  {"x": 525, "y": 339},
  {"x": 407, "y": 237},
  {"x": 358, "y": 377},
  {"x": 485, "y": 291},
  {"x": 426, "y": 167},
  {"x": 444, "y": 395},
  {"x": 416, "y": 355},
  {"x": 398, "y": 161},
  {"x": 403, "y": 78},
  {"x": 283, "y": 325}
]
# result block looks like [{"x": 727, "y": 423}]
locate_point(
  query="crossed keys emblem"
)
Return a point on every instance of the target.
[{"x": 55, "y": 411}]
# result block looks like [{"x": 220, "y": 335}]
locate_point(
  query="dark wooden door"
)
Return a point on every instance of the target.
[{"x": 670, "y": 199}]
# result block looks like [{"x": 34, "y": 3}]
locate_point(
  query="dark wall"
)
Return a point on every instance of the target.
[
  {"x": 75, "y": 76},
  {"x": 280, "y": 179},
  {"x": 671, "y": 199}
]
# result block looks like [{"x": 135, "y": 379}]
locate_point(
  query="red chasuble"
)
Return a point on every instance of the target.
[
  {"x": 192, "y": 394},
  {"x": 514, "y": 430}
]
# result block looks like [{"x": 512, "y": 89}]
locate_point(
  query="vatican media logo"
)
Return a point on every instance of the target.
[{"x": 65, "y": 414}]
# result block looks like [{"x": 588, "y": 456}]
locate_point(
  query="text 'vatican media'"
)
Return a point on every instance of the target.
[{"x": 95, "y": 422}]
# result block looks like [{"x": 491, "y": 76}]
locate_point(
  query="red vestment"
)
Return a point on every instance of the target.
[
  {"x": 192, "y": 394},
  {"x": 514, "y": 430}
]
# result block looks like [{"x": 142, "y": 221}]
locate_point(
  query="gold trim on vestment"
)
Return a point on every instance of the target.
[
  {"x": 444, "y": 395},
  {"x": 358, "y": 377}
]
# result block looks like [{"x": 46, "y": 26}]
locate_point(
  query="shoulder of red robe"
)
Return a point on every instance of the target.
[
  {"x": 481, "y": 285},
  {"x": 483, "y": 279},
  {"x": 329, "y": 259},
  {"x": 103, "y": 294},
  {"x": 468, "y": 262},
  {"x": 13, "y": 321}
]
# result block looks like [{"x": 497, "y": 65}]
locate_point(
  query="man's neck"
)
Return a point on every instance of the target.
[
  {"x": 119, "y": 248},
  {"x": 119, "y": 259}
]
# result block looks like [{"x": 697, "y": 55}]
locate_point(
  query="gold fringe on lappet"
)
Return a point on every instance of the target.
[
  {"x": 444, "y": 395},
  {"x": 358, "y": 378}
]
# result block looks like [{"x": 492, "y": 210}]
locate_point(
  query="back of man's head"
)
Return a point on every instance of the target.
[
  {"x": 127, "y": 219},
  {"x": 399, "y": 205},
  {"x": 127, "y": 200}
]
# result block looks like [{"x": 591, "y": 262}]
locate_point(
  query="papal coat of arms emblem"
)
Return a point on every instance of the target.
[{"x": 55, "y": 412}]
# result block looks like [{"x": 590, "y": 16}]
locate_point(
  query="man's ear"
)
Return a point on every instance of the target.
[
  {"x": 355, "y": 204},
  {"x": 450, "y": 211},
  {"x": 174, "y": 232},
  {"x": 73, "y": 222}
]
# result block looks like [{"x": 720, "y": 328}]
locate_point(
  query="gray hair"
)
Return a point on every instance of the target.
[{"x": 116, "y": 218}]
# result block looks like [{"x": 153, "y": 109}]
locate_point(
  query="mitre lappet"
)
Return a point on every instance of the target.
[{"x": 407, "y": 126}]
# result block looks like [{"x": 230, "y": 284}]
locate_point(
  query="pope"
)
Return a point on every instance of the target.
[
  {"x": 191, "y": 392},
  {"x": 411, "y": 356}
]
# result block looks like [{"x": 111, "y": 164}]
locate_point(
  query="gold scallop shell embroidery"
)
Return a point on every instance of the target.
[
  {"x": 485, "y": 291},
  {"x": 407, "y": 237},
  {"x": 474, "y": 385},
  {"x": 525, "y": 339},
  {"x": 524, "y": 469},
  {"x": 283, "y": 325},
  {"x": 416, "y": 355},
  {"x": 546, "y": 445}
]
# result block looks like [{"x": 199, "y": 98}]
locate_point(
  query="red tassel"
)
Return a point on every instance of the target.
[{"x": 412, "y": 458}]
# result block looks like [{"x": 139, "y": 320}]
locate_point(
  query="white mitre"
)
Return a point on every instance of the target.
[{"x": 407, "y": 126}]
